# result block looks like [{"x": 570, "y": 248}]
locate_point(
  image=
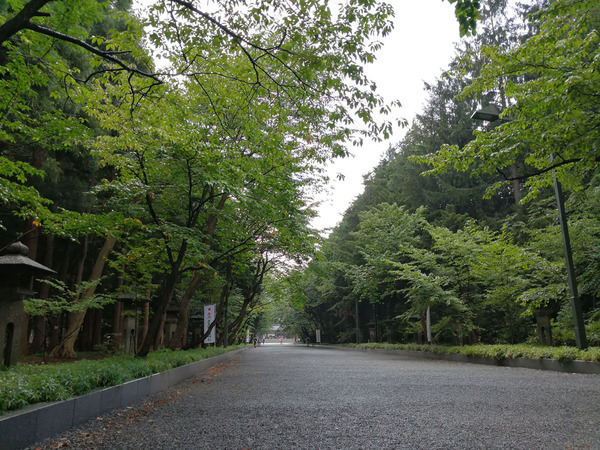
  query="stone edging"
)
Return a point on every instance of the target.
[
  {"x": 584, "y": 367},
  {"x": 35, "y": 423}
]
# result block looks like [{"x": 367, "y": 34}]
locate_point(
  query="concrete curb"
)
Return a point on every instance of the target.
[
  {"x": 35, "y": 423},
  {"x": 584, "y": 367}
]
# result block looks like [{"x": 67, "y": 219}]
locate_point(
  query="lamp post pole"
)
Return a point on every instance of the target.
[
  {"x": 491, "y": 113},
  {"x": 580, "y": 338}
]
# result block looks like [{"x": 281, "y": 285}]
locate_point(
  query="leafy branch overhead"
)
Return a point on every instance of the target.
[
  {"x": 467, "y": 14},
  {"x": 285, "y": 45},
  {"x": 549, "y": 86},
  {"x": 303, "y": 55},
  {"x": 38, "y": 15}
]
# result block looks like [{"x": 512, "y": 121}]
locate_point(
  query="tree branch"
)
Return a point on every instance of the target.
[
  {"x": 240, "y": 40},
  {"x": 22, "y": 19},
  {"x": 109, "y": 56},
  {"x": 539, "y": 172}
]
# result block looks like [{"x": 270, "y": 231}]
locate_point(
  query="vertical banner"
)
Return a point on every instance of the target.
[
  {"x": 209, "y": 317},
  {"x": 318, "y": 333},
  {"x": 428, "y": 324},
  {"x": 247, "y": 335}
]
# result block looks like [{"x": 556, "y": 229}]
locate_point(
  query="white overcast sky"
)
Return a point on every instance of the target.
[{"x": 419, "y": 48}]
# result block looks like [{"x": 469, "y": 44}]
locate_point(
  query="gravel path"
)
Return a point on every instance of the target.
[{"x": 285, "y": 396}]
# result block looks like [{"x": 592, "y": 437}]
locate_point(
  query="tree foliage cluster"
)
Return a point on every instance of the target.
[
  {"x": 456, "y": 236},
  {"x": 169, "y": 158}
]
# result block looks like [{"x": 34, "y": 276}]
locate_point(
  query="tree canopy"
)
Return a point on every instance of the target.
[
  {"x": 170, "y": 158},
  {"x": 549, "y": 84},
  {"x": 181, "y": 146},
  {"x": 455, "y": 238}
]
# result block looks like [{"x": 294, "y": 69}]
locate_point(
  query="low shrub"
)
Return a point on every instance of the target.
[
  {"x": 498, "y": 352},
  {"x": 23, "y": 384}
]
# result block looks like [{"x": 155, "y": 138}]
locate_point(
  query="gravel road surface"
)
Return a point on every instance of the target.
[{"x": 285, "y": 396}]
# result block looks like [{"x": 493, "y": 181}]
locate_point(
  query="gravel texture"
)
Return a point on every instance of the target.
[{"x": 284, "y": 396}]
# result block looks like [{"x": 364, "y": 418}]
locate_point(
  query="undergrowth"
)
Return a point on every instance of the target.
[
  {"x": 498, "y": 352},
  {"x": 24, "y": 384}
]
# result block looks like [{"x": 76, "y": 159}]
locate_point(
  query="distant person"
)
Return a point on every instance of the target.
[{"x": 281, "y": 340}]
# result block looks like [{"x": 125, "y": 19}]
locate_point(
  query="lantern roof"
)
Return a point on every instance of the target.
[{"x": 15, "y": 260}]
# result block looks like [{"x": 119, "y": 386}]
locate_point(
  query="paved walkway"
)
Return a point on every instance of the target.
[{"x": 285, "y": 396}]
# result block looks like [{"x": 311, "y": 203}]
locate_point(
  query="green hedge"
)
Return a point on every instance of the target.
[
  {"x": 498, "y": 352},
  {"x": 23, "y": 384}
]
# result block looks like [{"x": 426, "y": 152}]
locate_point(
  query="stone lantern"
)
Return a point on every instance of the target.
[
  {"x": 544, "y": 328},
  {"x": 129, "y": 313},
  {"x": 170, "y": 324},
  {"x": 16, "y": 273},
  {"x": 372, "y": 331}
]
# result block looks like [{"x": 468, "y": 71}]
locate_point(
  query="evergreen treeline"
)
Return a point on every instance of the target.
[{"x": 456, "y": 238}]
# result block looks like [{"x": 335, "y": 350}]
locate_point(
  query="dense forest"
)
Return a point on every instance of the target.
[
  {"x": 456, "y": 238},
  {"x": 166, "y": 160},
  {"x": 163, "y": 160}
]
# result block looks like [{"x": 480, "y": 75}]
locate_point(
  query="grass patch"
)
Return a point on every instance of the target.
[
  {"x": 498, "y": 352},
  {"x": 25, "y": 384}
]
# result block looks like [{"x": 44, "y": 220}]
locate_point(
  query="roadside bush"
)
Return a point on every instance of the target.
[
  {"x": 498, "y": 352},
  {"x": 24, "y": 385}
]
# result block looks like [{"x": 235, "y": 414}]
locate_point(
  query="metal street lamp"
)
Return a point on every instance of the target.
[{"x": 491, "y": 113}]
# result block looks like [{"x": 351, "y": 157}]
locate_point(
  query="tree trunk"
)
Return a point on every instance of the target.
[
  {"x": 85, "y": 335},
  {"x": 262, "y": 267},
  {"x": 179, "y": 337},
  {"x": 117, "y": 322},
  {"x": 97, "y": 328},
  {"x": 66, "y": 348},
  {"x": 72, "y": 318},
  {"x": 30, "y": 238},
  {"x": 235, "y": 329},
  {"x": 160, "y": 337},
  {"x": 221, "y": 311},
  {"x": 39, "y": 329},
  {"x": 117, "y": 326},
  {"x": 39, "y": 334},
  {"x": 145, "y": 321},
  {"x": 178, "y": 340},
  {"x": 92, "y": 326},
  {"x": 156, "y": 325},
  {"x": 514, "y": 173},
  {"x": 54, "y": 330},
  {"x": 57, "y": 321}
]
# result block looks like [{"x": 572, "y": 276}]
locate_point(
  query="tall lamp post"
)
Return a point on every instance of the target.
[{"x": 491, "y": 113}]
